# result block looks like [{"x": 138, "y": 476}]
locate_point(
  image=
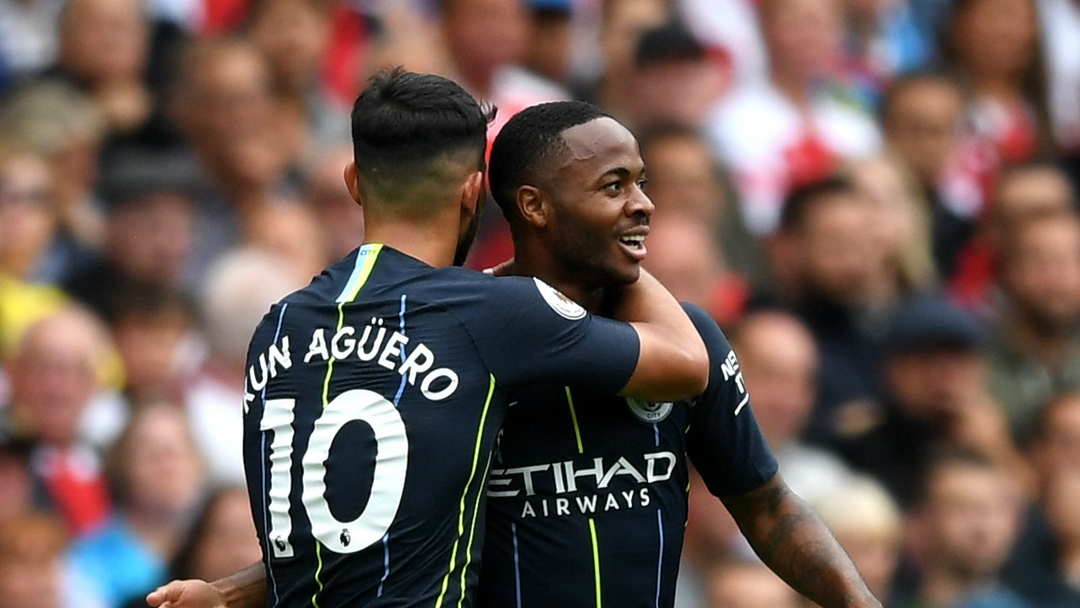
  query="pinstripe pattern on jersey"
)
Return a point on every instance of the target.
[
  {"x": 476, "y": 503},
  {"x": 366, "y": 257}
]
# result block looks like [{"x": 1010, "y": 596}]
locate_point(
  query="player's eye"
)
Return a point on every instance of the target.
[
  {"x": 613, "y": 187},
  {"x": 641, "y": 183}
]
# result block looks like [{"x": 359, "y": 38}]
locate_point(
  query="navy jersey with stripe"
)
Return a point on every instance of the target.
[
  {"x": 372, "y": 402},
  {"x": 587, "y": 498}
]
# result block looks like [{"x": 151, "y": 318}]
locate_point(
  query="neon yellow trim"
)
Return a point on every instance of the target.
[
  {"x": 461, "y": 509},
  {"x": 472, "y": 532},
  {"x": 573, "y": 417},
  {"x": 318, "y": 570},
  {"x": 365, "y": 271},
  {"x": 595, "y": 561},
  {"x": 362, "y": 277}
]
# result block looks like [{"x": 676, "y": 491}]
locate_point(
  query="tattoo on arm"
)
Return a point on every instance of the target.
[{"x": 793, "y": 541}]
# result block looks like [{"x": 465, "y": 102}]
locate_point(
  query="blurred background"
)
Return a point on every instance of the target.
[{"x": 876, "y": 199}]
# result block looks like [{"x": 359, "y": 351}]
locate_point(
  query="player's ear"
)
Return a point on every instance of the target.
[
  {"x": 472, "y": 193},
  {"x": 352, "y": 182},
  {"x": 530, "y": 203}
]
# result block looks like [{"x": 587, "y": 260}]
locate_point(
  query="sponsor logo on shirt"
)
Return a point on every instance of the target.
[{"x": 582, "y": 486}]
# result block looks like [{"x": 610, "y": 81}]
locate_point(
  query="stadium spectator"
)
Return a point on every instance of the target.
[
  {"x": 935, "y": 376},
  {"x": 238, "y": 291},
  {"x": 293, "y": 36},
  {"x": 406, "y": 37},
  {"x": 882, "y": 41},
  {"x": 826, "y": 257},
  {"x": 33, "y": 569},
  {"x": 747, "y": 584},
  {"x": 55, "y": 372},
  {"x": 622, "y": 23},
  {"x": 684, "y": 257},
  {"x": 550, "y": 48},
  {"x": 337, "y": 214},
  {"x": 731, "y": 30},
  {"x": 962, "y": 531},
  {"x": 922, "y": 118},
  {"x": 64, "y": 126},
  {"x": 224, "y": 104},
  {"x": 151, "y": 327},
  {"x": 104, "y": 49},
  {"x": 869, "y": 525},
  {"x": 1037, "y": 351},
  {"x": 684, "y": 178},
  {"x": 157, "y": 479},
  {"x": 788, "y": 131},
  {"x": 993, "y": 48},
  {"x": 149, "y": 232},
  {"x": 487, "y": 42},
  {"x": 779, "y": 362},
  {"x": 673, "y": 79},
  {"x": 290, "y": 231},
  {"x": 1022, "y": 191},
  {"x": 222, "y": 540},
  {"x": 27, "y": 221},
  {"x": 1042, "y": 566},
  {"x": 902, "y": 224}
]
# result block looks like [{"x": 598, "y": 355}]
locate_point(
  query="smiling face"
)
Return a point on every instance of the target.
[{"x": 600, "y": 213}]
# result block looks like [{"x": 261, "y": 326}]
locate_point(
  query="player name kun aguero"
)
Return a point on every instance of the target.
[{"x": 414, "y": 363}]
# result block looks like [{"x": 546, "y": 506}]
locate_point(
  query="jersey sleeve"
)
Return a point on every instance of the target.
[
  {"x": 529, "y": 333},
  {"x": 724, "y": 441}
]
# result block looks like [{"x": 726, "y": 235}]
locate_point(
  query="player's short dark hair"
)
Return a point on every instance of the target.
[
  {"x": 404, "y": 124},
  {"x": 800, "y": 201},
  {"x": 530, "y": 138}
]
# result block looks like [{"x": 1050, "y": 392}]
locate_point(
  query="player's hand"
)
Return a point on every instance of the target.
[
  {"x": 186, "y": 594},
  {"x": 506, "y": 269}
]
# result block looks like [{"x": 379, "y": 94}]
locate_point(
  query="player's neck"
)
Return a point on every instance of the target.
[
  {"x": 547, "y": 270},
  {"x": 433, "y": 244}
]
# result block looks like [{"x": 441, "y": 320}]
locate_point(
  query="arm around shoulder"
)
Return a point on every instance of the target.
[{"x": 673, "y": 362}]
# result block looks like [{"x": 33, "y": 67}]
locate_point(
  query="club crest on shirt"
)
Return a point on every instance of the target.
[
  {"x": 649, "y": 411},
  {"x": 564, "y": 306}
]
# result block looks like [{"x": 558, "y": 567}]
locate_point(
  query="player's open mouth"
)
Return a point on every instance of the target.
[{"x": 634, "y": 245}]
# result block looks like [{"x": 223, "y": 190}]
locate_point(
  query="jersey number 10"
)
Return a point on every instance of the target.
[{"x": 388, "y": 483}]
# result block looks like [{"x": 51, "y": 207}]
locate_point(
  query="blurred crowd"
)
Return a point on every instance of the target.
[{"x": 875, "y": 198}]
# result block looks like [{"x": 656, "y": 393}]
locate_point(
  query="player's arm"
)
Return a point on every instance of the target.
[
  {"x": 672, "y": 360},
  {"x": 794, "y": 543},
  {"x": 243, "y": 589},
  {"x": 528, "y": 333}
]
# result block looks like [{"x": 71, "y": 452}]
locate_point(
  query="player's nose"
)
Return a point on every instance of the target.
[{"x": 639, "y": 202}]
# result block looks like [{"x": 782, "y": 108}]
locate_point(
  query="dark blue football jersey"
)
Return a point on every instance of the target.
[
  {"x": 587, "y": 498},
  {"x": 372, "y": 402}
]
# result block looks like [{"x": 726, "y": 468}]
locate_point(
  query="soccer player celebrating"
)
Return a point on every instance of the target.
[
  {"x": 587, "y": 497},
  {"x": 374, "y": 395}
]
